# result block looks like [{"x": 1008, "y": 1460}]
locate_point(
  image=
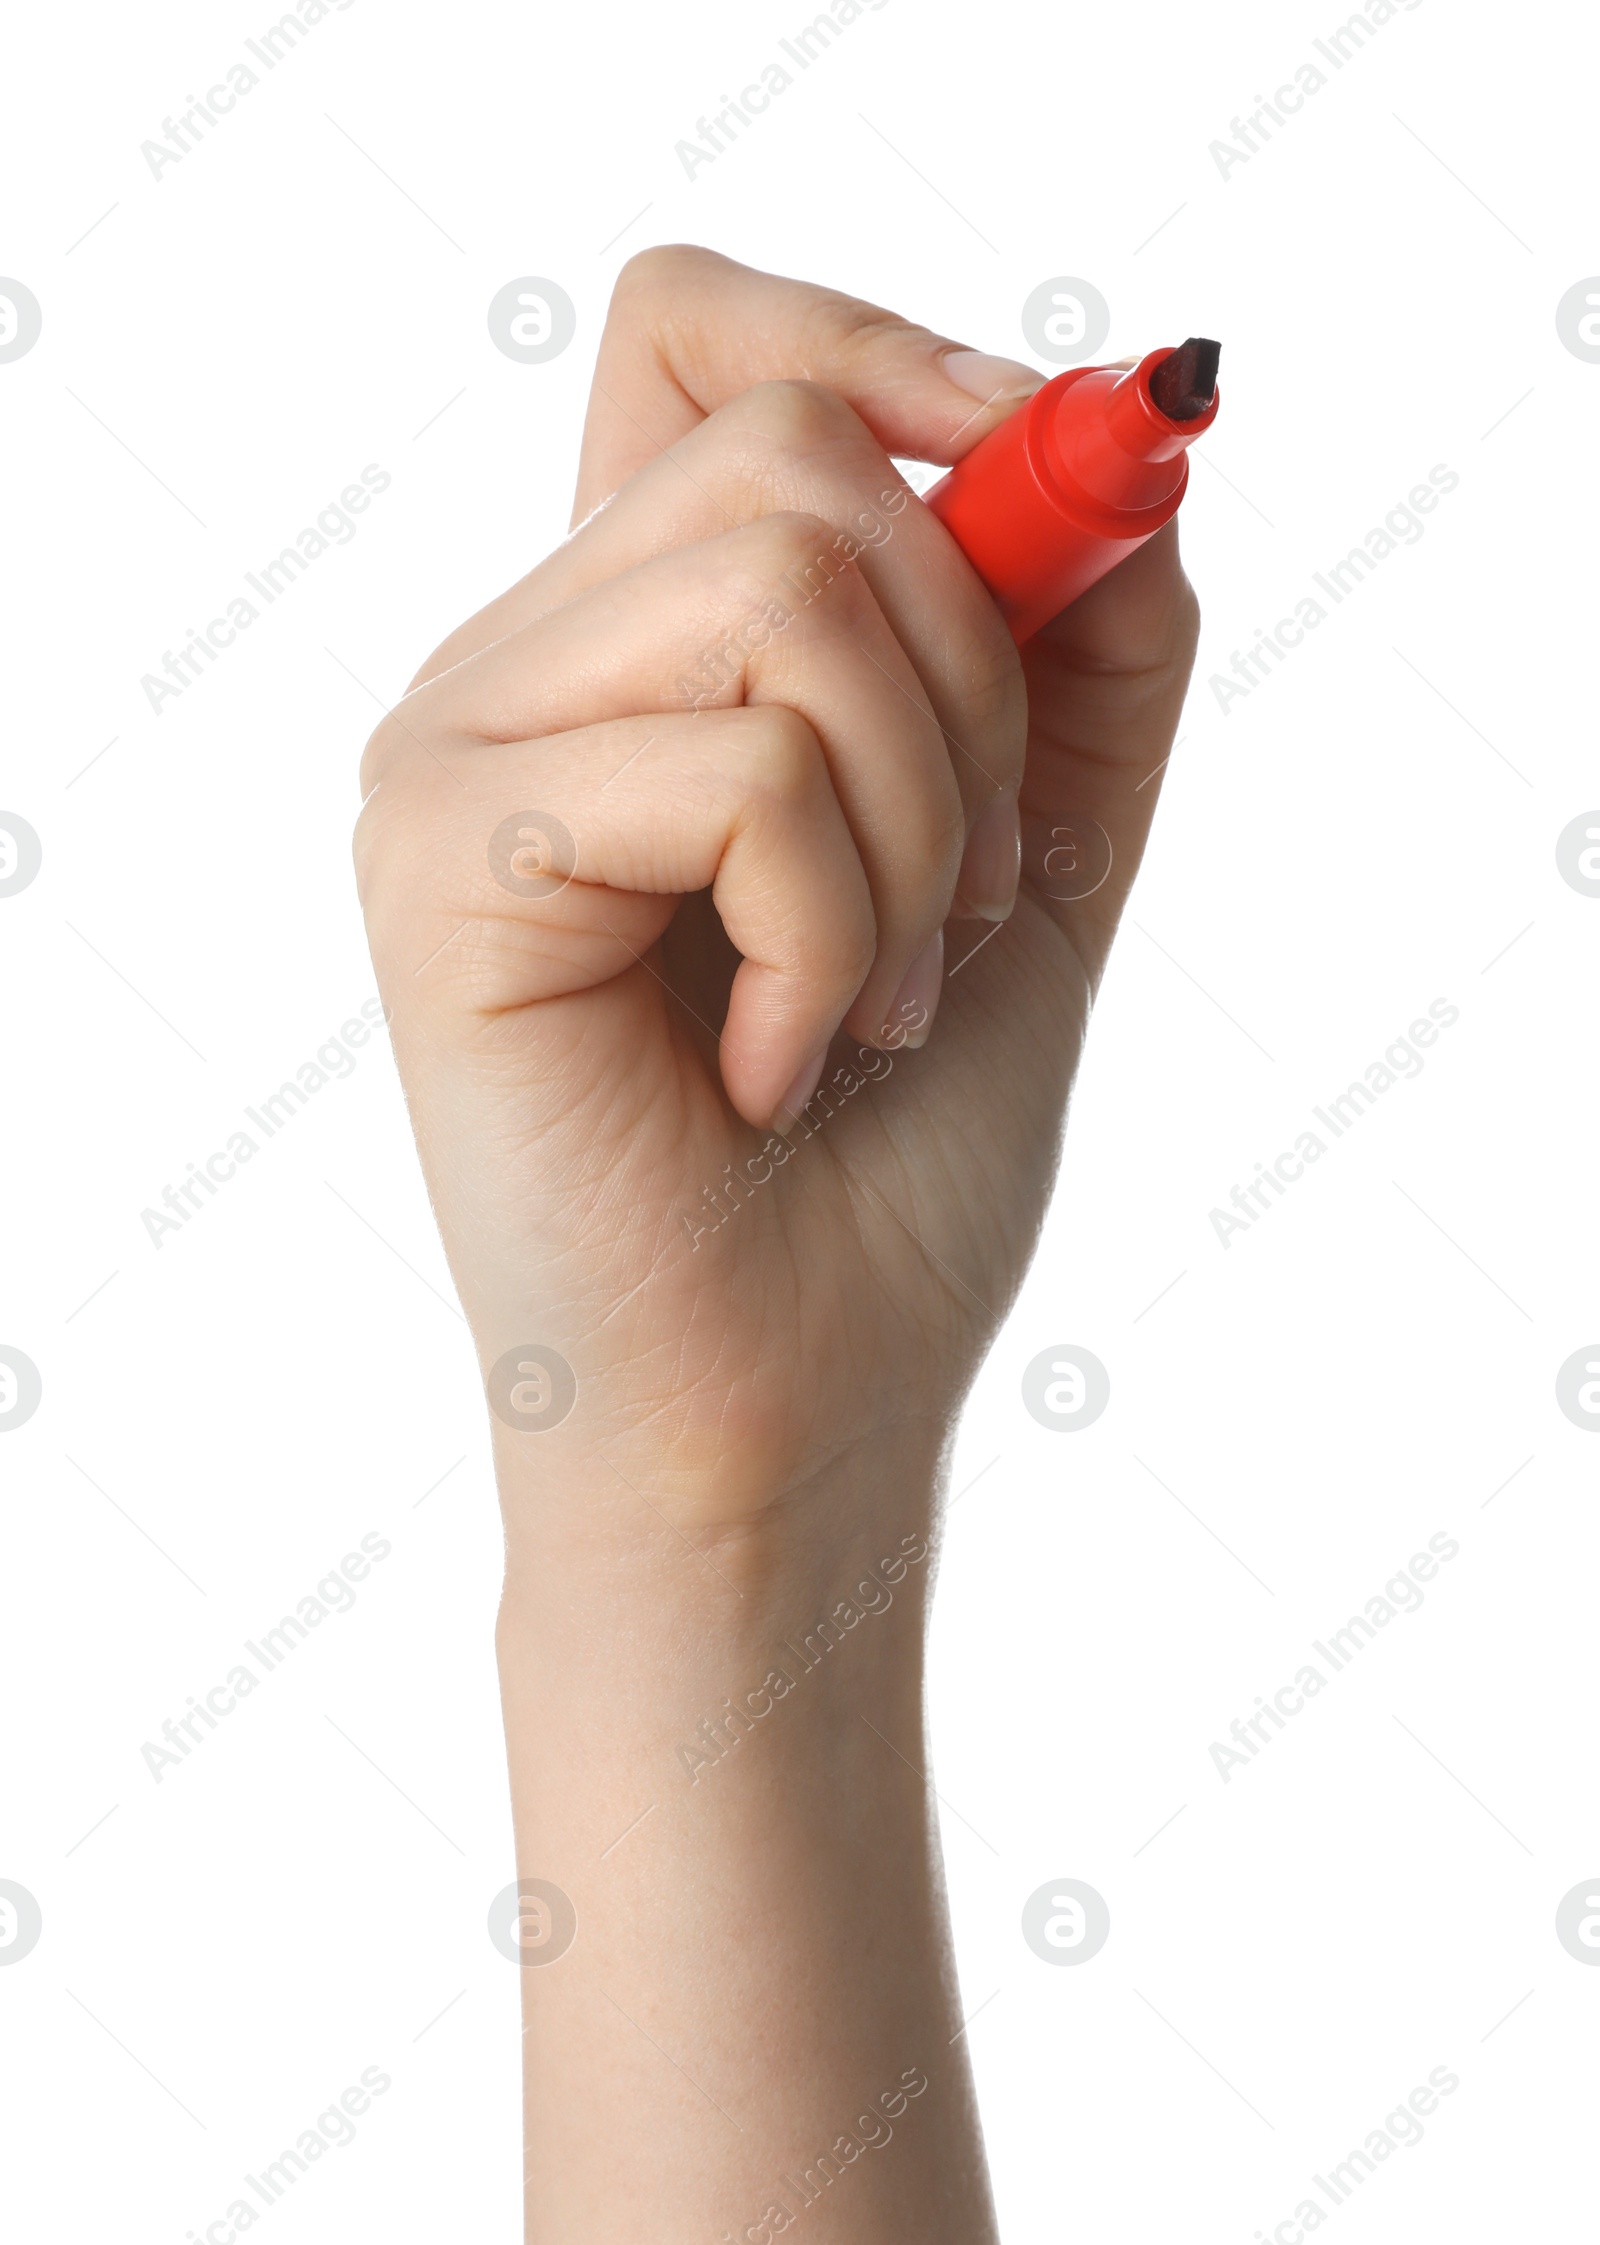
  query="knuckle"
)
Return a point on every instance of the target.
[
  {"x": 383, "y": 840},
  {"x": 799, "y": 416},
  {"x": 853, "y": 322},
  {"x": 1185, "y": 621},
  {"x": 385, "y": 746},
  {"x": 786, "y": 755},
  {"x": 782, "y": 560},
  {"x": 379, "y": 855},
  {"x": 663, "y": 270},
  {"x": 402, "y": 836},
  {"x": 786, "y": 786},
  {"x": 788, "y": 539},
  {"x": 855, "y": 945},
  {"x": 994, "y": 701},
  {"x": 841, "y": 933}
]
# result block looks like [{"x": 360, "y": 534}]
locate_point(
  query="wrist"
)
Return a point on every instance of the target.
[
  {"x": 690, "y": 1610},
  {"x": 636, "y": 1664},
  {"x": 631, "y": 1504}
]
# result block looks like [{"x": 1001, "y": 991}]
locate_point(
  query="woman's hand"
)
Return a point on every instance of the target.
[
  {"x": 713, "y": 815},
  {"x": 737, "y": 1058}
]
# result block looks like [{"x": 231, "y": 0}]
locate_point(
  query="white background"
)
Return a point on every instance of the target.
[{"x": 1291, "y": 1416}]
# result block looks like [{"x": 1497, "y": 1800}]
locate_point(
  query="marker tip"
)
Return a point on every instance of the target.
[{"x": 1185, "y": 383}]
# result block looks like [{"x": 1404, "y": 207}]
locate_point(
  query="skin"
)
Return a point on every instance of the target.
[{"x": 765, "y": 858}]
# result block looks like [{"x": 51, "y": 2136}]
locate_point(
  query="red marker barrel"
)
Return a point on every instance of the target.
[{"x": 1071, "y": 484}]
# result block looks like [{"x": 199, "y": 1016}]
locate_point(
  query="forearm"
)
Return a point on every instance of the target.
[{"x": 719, "y": 1757}]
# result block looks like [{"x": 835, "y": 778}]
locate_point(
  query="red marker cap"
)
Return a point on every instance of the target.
[{"x": 1078, "y": 478}]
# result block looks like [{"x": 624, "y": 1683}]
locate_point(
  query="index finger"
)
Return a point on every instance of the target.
[{"x": 689, "y": 330}]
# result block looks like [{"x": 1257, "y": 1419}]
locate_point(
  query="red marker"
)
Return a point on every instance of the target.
[{"x": 1078, "y": 478}]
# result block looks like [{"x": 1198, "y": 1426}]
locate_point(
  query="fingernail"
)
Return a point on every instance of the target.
[
  {"x": 984, "y": 376},
  {"x": 917, "y": 1000},
  {"x": 789, "y": 1107},
  {"x": 991, "y": 865}
]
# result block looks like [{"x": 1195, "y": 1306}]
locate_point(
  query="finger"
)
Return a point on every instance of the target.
[
  {"x": 526, "y": 909},
  {"x": 689, "y": 330},
  {"x": 793, "y": 445},
  {"x": 1106, "y": 685},
  {"x": 735, "y": 620}
]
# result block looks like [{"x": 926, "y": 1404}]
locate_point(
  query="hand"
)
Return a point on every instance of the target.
[
  {"x": 782, "y": 767},
  {"x": 717, "y": 806}
]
